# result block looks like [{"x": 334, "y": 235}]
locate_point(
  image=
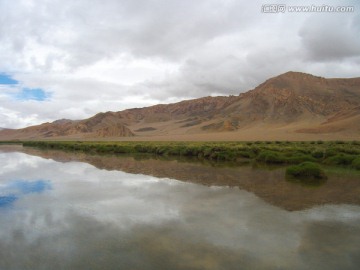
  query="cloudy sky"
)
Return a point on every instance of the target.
[{"x": 75, "y": 58}]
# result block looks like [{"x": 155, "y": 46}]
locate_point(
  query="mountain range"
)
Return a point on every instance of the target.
[{"x": 290, "y": 106}]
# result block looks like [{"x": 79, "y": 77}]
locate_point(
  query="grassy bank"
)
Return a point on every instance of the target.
[{"x": 336, "y": 153}]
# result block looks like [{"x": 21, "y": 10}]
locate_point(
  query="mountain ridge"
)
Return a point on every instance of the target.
[{"x": 294, "y": 102}]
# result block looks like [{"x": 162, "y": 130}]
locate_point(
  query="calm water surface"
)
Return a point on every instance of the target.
[{"x": 72, "y": 214}]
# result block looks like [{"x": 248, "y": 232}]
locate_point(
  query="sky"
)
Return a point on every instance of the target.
[{"x": 74, "y": 58}]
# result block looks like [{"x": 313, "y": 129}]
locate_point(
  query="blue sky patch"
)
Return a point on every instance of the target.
[
  {"x": 32, "y": 94},
  {"x": 7, "y": 80},
  {"x": 26, "y": 187},
  {"x": 23, "y": 93},
  {"x": 14, "y": 190},
  {"x": 7, "y": 200}
]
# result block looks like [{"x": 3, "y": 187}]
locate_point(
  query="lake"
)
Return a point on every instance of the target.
[{"x": 61, "y": 210}]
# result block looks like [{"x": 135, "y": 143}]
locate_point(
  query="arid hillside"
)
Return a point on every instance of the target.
[{"x": 290, "y": 106}]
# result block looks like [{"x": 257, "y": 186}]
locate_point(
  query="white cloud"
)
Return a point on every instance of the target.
[
  {"x": 98, "y": 56},
  {"x": 331, "y": 37}
]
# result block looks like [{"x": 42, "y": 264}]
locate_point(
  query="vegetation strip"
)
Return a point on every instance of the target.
[
  {"x": 337, "y": 153},
  {"x": 306, "y": 172}
]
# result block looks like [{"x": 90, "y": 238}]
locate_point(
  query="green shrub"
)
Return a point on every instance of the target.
[
  {"x": 122, "y": 149},
  {"x": 318, "y": 154},
  {"x": 270, "y": 157},
  {"x": 356, "y": 163},
  {"x": 303, "y": 150},
  {"x": 298, "y": 158},
  {"x": 244, "y": 153},
  {"x": 141, "y": 148},
  {"x": 350, "y": 151},
  {"x": 276, "y": 152},
  {"x": 305, "y": 170},
  {"x": 226, "y": 156},
  {"x": 340, "y": 159},
  {"x": 330, "y": 152},
  {"x": 255, "y": 150},
  {"x": 207, "y": 151},
  {"x": 185, "y": 151}
]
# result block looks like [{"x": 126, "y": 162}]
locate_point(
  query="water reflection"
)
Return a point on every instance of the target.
[
  {"x": 100, "y": 219},
  {"x": 15, "y": 189},
  {"x": 26, "y": 187},
  {"x": 7, "y": 200},
  {"x": 270, "y": 185}
]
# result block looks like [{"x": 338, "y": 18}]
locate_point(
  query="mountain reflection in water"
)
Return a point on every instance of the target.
[
  {"x": 94, "y": 218},
  {"x": 266, "y": 183}
]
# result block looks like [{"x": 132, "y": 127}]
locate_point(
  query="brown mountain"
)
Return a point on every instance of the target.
[
  {"x": 296, "y": 97},
  {"x": 290, "y": 106},
  {"x": 95, "y": 127}
]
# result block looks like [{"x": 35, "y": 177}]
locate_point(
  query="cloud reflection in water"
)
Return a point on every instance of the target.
[
  {"x": 14, "y": 190},
  {"x": 99, "y": 219}
]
